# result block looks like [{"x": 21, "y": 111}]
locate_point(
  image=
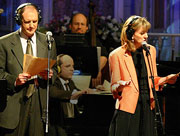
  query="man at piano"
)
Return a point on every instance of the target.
[{"x": 63, "y": 96}]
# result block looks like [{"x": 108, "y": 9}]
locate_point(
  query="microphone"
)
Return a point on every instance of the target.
[
  {"x": 145, "y": 47},
  {"x": 49, "y": 38}
]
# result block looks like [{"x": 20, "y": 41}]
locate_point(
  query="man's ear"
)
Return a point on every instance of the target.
[{"x": 87, "y": 28}]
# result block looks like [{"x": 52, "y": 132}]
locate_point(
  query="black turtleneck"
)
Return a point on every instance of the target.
[{"x": 141, "y": 71}]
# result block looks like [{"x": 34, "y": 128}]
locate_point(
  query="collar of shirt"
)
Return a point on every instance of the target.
[
  {"x": 63, "y": 82},
  {"x": 24, "y": 38}
]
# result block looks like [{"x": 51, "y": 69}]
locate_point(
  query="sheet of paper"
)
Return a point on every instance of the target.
[
  {"x": 82, "y": 81},
  {"x": 166, "y": 80},
  {"x": 34, "y": 65},
  {"x": 107, "y": 85},
  {"x": 162, "y": 82}
]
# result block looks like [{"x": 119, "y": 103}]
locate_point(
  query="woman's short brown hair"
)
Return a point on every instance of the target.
[{"x": 130, "y": 26}]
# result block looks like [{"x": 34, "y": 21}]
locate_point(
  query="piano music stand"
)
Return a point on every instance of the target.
[{"x": 74, "y": 39}]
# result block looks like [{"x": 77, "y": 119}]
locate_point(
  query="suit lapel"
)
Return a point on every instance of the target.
[
  {"x": 71, "y": 85},
  {"x": 59, "y": 83},
  {"x": 131, "y": 69},
  {"x": 41, "y": 47},
  {"x": 17, "y": 48}
]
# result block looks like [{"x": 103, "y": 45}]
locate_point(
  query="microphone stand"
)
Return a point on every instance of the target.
[
  {"x": 47, "y": 96},
  {"x": 157, "y": 107}
]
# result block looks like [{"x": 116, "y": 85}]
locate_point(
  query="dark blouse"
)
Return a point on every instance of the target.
[{"x": 141, "y": 71}]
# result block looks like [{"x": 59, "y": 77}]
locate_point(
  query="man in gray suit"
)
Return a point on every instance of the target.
[{"x": 24, "y": 113}]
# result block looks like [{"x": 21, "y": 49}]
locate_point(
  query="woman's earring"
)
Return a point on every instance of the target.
[{"x": 132, "y": 39}]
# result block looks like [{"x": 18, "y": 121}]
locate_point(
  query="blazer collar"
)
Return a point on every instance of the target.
[
  {"x": 131, "y": 68},
  {"x": 16, "y": 48},
  {"x": 41, "y": 46}
]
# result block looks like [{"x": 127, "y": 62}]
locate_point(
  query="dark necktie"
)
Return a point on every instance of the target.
[
  {"x": 29, "y": 47},
  {"x": 68, "y": 107},
  {"x": 67, "y": 86},
  {"x": 31, "y": 88}
]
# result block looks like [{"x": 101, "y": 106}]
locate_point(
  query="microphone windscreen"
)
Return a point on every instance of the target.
[
  {"x": 143, "y": 43},
  {"x": 49, "y": 33},
  {"x": 49, "y": 36},
  {"x": 145, "y": 47}
]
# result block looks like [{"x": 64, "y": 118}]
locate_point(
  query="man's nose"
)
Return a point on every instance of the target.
[
  {"x": 31, "y": 24},
  {"x": 72, "y": 68},
  {"x": 79, "y": 26}
]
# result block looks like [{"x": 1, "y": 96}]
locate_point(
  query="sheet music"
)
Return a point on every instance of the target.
[{"x": 82, "y": 82}]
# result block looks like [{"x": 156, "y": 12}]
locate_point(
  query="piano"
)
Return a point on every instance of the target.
[
  {"x": 95, "y": 119},
  {"x": 97, "y": 114}
]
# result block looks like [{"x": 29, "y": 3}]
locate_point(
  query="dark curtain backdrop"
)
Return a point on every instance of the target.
[{"x": 66, "y": 7}]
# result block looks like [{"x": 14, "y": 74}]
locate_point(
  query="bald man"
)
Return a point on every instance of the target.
[{"x": 63, "y": 95}]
